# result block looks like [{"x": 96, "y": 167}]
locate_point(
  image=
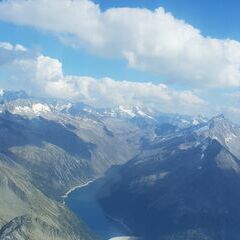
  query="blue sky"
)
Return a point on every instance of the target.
[
  {"x": 216, "y": 18},
  {"x": 94, "y": 50},
  {"x": 75, "y": 61}
]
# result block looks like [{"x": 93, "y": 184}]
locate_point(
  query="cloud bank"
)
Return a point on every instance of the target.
[
  {"x": 43, "y": 75},
  {"x": 153, "y": 41}
]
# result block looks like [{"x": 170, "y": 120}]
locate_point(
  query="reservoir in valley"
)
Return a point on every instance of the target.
[{"x": 83, "y": 202}]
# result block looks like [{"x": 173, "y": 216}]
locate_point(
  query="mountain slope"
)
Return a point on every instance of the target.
[
  {"x": 52, "y": 154},
  {"x": 26, "y": 213},
  {"x": 185, "y": 186},
  {"x": 45, "y": 152},
  {"x": 62, "y": 151},
  {"x": 54, "y": 145}
]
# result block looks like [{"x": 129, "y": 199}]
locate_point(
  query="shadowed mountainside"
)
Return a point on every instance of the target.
[{"x": 185, "y": 186}]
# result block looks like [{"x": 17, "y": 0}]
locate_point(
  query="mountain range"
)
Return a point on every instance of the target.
[
  {"x": 183, "y": 185},
  {"x": 166, "y": 176}
]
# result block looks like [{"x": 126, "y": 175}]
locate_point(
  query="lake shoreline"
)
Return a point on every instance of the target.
[
  {"x": 118, "y": 222},
  {"x": 75, "y": 188}
]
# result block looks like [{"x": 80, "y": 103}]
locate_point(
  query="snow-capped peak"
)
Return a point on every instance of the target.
[
  {"x": 126, "y": 110},
  {"x": 142, "y": 112},
  {"x": 222, "y": 130},
  {"x": 195, "y": 122},
  {"x": 130, "y": 112},
  {"x": 34, "y": 109},
  {"x": 40, "y": 108}
]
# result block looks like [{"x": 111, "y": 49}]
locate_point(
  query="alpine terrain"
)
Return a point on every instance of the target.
[{"x": 183, "y": 185}]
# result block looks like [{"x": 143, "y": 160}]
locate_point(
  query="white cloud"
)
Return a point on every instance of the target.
[
  {"x": 43, "y": 75},
  {"x": 152, "y": 41},
  {"x": 6, "y": 46},
  {"x": 9, "y": 47},
  {"x": 19, "y": 47},
  {"x": 108, "y": 92},
  {"x": 48, "y": 69},
  {"x": 9, "y": 52}
]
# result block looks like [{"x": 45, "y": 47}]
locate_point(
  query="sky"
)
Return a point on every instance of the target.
[{"x": 172, "y": 55}]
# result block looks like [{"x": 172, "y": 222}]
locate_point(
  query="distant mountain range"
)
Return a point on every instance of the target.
[{"x": 167, "y": 176}]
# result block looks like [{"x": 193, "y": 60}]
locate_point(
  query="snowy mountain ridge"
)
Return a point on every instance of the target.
[{"x": 18, "y": 102}]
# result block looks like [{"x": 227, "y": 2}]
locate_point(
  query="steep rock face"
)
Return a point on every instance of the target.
[
  {"x": 14, "y": 228},
  {"x": 225, "y": 132},
  {"x": 26, "y": 213},
  {"x": 183, "y": 187}
]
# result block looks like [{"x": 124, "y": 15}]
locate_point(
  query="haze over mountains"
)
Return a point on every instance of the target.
[{"x": 181, "y": 183}]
